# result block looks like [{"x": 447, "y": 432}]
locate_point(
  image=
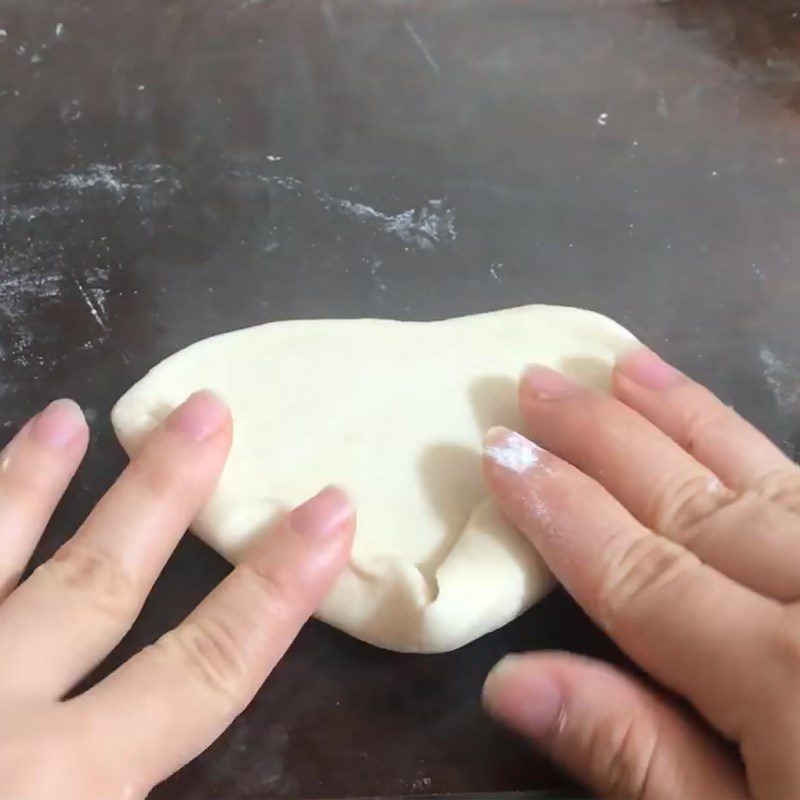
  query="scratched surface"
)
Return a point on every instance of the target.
[{"x": 170, "y": 170}]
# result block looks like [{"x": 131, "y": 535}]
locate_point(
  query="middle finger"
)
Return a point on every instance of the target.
[{"x": 74, "y": 608}]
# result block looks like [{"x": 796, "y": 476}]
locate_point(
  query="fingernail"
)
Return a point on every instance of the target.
[
  {"x": 647, "y": 369},
  {"x": 523, "y": 697},
  {"x": 59, "y": 424},
  {"x": 200, "y": 417},
  {"x": 323, "y": 515},
  {"x": 547, "y": 384},
  {"x": 510, "y": 450}
]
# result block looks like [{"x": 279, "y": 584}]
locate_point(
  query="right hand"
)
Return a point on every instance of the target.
[{"x": 676, "y": 525}]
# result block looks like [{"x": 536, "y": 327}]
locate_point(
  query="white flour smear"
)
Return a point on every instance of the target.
[
  {"x": 31, "y": 284},
  {"x": 104, "y": 176},
  {"x": 37, "y": 278},
  {"x": 24, "y": 288},
  {"x": 149, "y": 185},
  {"x": 782, "y": 379},
  {"x": 421, "y": 46},
  {"x": 145, "y": 181},
  {"x": 426, "y": 227},
  {"x": 36, "y": 273},
  {"x": 514, "y": 452}
]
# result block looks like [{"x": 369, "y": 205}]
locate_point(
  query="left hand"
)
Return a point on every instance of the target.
[{"x": 170, "y": 701}]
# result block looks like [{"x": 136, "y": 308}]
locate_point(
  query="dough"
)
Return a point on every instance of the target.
[{"x": 394, "y": 412}]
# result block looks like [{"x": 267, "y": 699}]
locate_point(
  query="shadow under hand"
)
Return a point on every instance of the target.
[
  {"x": 452, "y": 480},
  {"x": 494, "y": 400},
  {"x": 587, "y": 371},
  {"x": 451, "y": 474}
]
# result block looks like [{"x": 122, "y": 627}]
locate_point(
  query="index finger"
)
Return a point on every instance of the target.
[
  {"x": 173, "y": 699},
  {"x": 695, "y": 630}
]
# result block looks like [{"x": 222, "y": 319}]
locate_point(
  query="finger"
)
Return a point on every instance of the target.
[
  {"x": 173, "y": 699},
  {"x": 35, "y": 469},
  {"x": 712, "y": 432},
  {"x": 695, "y": 630},
  {"x": 771, "y": 743},
  {"x": 608, "y": 730},
  {"x": 662, "y": 485},
  {"x": 74, "y": 608}
]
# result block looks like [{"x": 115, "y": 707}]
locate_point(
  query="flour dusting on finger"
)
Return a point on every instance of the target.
[{"x": 510, "y": 450}]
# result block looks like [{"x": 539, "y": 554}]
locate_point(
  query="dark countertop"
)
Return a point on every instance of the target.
[{"x": 171, "y": 170}]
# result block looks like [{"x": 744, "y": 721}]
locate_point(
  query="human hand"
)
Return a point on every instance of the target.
[
  {"x": 676, "y": 526},
  {"x": 171, "y": 700}
]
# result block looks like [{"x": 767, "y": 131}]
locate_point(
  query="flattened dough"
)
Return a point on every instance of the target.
[{"x": 394, "y": 412}]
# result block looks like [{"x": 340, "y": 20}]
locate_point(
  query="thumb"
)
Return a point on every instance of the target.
[{"x": 608, "y": 730}]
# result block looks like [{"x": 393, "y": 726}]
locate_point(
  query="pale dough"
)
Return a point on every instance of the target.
[{"x": 394, "y": 412}]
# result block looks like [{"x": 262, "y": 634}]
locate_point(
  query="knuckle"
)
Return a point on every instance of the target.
[
  {"x": 599, "y": 408},
  {"x": 272, "y": 593},
  {"x": 638, "y": 575},
  {"x": 158, "y": 473},
  {"x": 93, "y": 579},
  {"x": 45, "y": 746},
  {"x": 224, "y": 650},
  {"x": 621, "y": 755},
  {"x": 786, "y": 645},
  {"x": 208, "y": 653},
  {"x": 782, "y": 487},
  {"x": 685, "y": 502},
  {"x": 22, "y": 488},
  {"x": 702, "y": 426}
]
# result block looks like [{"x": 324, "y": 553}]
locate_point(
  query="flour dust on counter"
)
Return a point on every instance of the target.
[
  {"x": 395, "y": 412},
  {"x": 782, "y": 378},
  {"x": 72, "y": 192},
  {"x": 33, "y": 281},
  {"x": 433, "y": 223}
]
